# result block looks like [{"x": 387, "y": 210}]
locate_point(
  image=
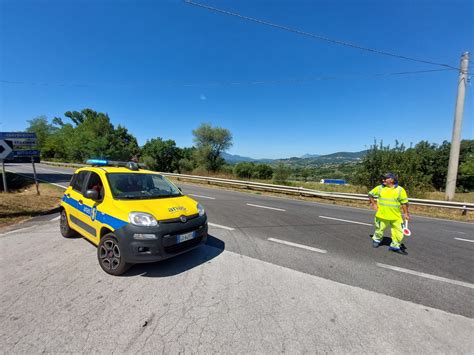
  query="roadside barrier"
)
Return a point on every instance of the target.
[{"x": 301, "y": 191}]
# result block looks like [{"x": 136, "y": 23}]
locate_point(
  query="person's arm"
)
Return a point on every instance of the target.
[
  {"x": 406, "y": 215},
  {"x": 373, "y": 203},
  {"x": 404, "y": 204},
  {"x": 372, "y": 194}
]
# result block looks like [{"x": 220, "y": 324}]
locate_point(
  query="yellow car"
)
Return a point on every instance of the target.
[{"x": 132, "y": 215}]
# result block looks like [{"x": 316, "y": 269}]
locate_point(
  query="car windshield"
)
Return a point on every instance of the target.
[{"x": 134, "y": 186}]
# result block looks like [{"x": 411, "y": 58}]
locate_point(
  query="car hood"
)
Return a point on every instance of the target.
[{"x": 161, "y": 208}]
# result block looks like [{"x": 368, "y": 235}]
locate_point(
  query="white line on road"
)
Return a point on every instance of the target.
[
  {"x": 270, "y": 208},
  {"x": 453, "y": 231},
  {"x": 210, "y": 198},
  {"x": 297, "y": 245},
  {"x": 219, "y": 226},
  {"x": 427, "y": 276},
  {"x": 55, "y": 171},
  {"x": 18, "y": 230},
  {"x": 465, "y": 240},
  {"x": 55, "y": 219},
  {"x": 345, "y": 220}
]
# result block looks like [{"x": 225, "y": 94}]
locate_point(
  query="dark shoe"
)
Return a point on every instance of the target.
[{"x": 398, "y": 251}]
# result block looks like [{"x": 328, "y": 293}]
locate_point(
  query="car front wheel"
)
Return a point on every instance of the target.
[{"x": 110, "y": 256}]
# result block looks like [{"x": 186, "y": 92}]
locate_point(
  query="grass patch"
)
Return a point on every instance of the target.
[{"x": 22, "y": 202}]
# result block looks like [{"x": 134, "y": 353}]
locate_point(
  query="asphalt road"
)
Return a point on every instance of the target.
[{"x": 249, "y": 290}]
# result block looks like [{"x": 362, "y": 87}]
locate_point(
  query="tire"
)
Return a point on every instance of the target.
[
  {"x": 110, "y": 256},
  {"x": 66, "y": 230}
]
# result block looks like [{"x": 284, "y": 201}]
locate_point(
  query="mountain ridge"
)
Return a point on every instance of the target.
[{"x": 305, "y": 160}]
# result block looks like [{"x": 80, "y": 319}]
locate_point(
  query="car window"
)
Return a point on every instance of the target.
[
  {"x": 95, "y": 183},
  {"x": 141, "y": 186},
  {"x": 79, "y": 181}
]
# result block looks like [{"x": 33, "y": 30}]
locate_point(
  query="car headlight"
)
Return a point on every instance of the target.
[
  {"x": 200, "y": 209},
  {"x": 142, "y": 219}
]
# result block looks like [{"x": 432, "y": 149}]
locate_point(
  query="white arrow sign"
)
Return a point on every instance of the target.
[{"x": 5, "y": 150}]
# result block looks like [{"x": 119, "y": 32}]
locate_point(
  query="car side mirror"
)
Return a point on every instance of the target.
[{"x": 91, "y": 194}]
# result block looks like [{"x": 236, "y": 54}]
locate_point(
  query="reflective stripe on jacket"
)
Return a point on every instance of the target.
[{"x": 389, "y": 200}]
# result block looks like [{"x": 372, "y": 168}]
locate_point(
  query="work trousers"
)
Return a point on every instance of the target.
[{"x": 396, "y": 229}]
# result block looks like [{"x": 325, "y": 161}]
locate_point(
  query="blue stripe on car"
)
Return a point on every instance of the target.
[{"x": 102, "y": 217}]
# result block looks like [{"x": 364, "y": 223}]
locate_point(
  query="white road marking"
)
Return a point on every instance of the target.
[
  {"x": 297, "y": 245},
  {"x": 55, "y": 219},
  {"x": 269, "y": 208},
  {"x": 219, "y": 226},
  {"x": 345, "y": 220},
  {"x": 465, "y": 240},
  {"x": 18, "y": 230},
  {"x": 210, "y": 198},
  {"x": 427, "y": 276},
  {"x": 55, "y": 171},
  {"x": 445, "y": 230}
]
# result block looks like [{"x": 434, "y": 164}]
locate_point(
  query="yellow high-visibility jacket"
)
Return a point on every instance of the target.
[{"x": 389, "y": 200}]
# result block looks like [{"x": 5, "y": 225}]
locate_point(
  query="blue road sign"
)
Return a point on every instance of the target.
[{"x": 12, "y": 135}]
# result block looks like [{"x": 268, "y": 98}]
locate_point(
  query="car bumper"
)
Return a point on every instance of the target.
[{"x": 166, "y": 244}]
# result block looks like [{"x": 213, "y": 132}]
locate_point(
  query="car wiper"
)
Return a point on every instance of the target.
[{"x": 128, "y": 197}]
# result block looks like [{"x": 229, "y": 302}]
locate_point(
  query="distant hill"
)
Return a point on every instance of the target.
[
  {"x": 328, "y": 159},
  {"x": 305, "y": 160},
  {"x": 230, "y": 158},
  {"x": 306, "y": 156}
]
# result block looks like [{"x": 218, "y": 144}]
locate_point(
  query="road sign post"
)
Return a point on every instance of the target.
[{"x": 34, "y": 174}]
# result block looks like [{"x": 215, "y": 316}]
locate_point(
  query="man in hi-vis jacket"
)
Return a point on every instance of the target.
[{"x": 390, "y": 199}]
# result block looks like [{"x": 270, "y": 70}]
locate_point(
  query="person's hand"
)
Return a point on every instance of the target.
[
  {"x": 375, "y": 207},
  {"x": 406, "y": 216}
]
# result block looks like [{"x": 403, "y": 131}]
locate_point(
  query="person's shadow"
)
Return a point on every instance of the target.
[
  {"x": 387, "y": 241},
  {"x": 181, "y": 263}
]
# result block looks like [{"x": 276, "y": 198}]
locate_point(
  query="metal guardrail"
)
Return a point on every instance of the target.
[
  {"x": 299, "y": 190},
  {"x": 323, "y": 194}
]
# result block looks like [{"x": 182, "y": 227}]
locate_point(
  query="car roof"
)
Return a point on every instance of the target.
[{"x": 114, "y": 169}]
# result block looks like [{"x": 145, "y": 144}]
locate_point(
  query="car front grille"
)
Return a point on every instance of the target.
[{"x": 179, "y": 247}]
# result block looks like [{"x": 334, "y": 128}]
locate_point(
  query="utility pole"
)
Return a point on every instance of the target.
[{"x": 456, "y": 139}]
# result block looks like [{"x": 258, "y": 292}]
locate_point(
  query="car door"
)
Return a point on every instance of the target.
[
  {"x": 94, "y": 182},
  {"x": 80, "y": 213}
]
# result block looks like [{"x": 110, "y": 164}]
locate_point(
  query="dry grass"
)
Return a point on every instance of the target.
[{"x": 23, "y": 203}]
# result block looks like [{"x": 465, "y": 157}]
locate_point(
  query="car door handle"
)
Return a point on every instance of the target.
[{"x": 80, "y": 202}]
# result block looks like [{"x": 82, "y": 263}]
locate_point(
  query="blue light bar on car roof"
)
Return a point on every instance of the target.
[{"x": 97, "y": 162}]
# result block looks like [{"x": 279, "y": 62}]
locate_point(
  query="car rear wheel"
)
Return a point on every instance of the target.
[
  {"x": 110, "y": 256},
  {"x": 64, "y": 227}
]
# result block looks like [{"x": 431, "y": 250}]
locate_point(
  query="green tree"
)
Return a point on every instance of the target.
[
  {"x": 244, "y": 170},
  {"x": 281, "y": 173},
  {"x": 122, "y": 145},
  {"x": 42, "y": 128},
  {"x": 161, "y": 155},
  {"x": 210, "y": 143},
  {"x": 187, "y": 162},
  {"x": 89, "y": 135},
  {"x": 263, "y": 171}
]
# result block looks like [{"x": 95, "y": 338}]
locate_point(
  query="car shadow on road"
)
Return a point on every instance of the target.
[
  {"x": 54, "y": 178},
  {"x": 180, "y": 263}
]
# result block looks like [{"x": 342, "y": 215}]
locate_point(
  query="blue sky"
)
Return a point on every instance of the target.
[{"x": 161, "y": 68}]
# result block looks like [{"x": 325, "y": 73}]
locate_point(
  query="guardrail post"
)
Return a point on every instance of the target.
[{"x": 464, "y": 211}]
